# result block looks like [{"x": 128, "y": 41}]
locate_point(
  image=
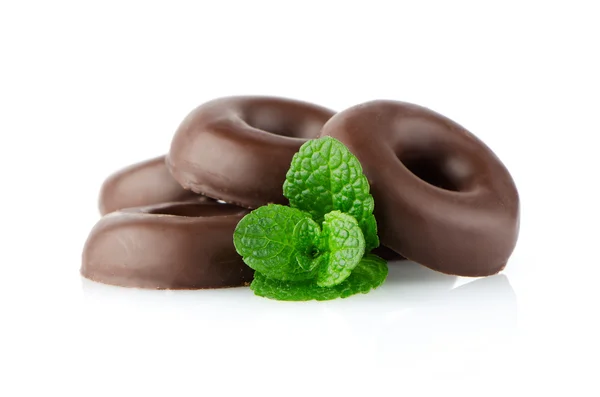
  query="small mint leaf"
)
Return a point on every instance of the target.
[
  {"x": 325, "y": 176},
  {"x": 306, "y": 236},
  {"x": 306, "y": 233},
  {"x": 279, "y": 242},
  {"x": 370, "y": 273},
  {"x": 344, "y": 244},
  {"x": 368, "y": 225}
]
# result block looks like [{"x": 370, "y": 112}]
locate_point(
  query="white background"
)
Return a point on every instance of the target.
[{"x": 89, "y": 87}]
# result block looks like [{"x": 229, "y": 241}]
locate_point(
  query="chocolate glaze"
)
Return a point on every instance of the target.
[
  {"x": 185, "y": 245},
  {"x": 145, "y": 183},
  {"x": 442, "y": 197},
  {"x": 238, "y": 149}
]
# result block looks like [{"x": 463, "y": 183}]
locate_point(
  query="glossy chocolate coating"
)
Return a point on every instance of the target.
[
  {"x": 442, "y": 197},
  {"x": 145, "y": 183},
  {"x": 186, "y": 245},
  {"x": 239, "y": 149}
]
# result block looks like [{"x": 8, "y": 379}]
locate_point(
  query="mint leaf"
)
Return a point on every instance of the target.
[
  {"x": 368, "y": 225},
  {"x": 343, "y": 245},
  {"x": 306, "y": 236},
  {"x": 324, "y": 176},
  {"x": 370, "y": 273},
  {"x": 279, "y": 242},
  {"x": 289, "y": 290}
]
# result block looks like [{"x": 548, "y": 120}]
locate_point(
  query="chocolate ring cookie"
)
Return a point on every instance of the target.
[
  {"x": 145, "y": 183},
  {"x": 442, "y": 197},
  {"x": 238, "y": 149},
  {"x": 186, "y": 245}
]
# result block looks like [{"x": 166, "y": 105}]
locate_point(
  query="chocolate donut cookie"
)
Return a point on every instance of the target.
[
  {"x": 186, "y": 245},
  {"x": 238, "y": 149},
  {"x": 145, "y": 183},
  {"x": 442, "y": 197}
]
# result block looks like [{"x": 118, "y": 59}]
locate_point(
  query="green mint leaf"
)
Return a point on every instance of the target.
[
  {"x": 368, "y": 225},
  {"x": 324, "y": 176},
  {"x": 306, "y": 236},
  {"x": 370, "y": 273},
  {"x": 279, "y": 242},
  {"x": 344, "y": 246},
  {"x": 290, "y": 290}
]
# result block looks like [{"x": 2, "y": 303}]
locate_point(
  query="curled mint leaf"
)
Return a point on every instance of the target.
[
  {"x": 368, "y": 225},
  {"x": 325, "y": 176},
  {"x": 343, "y": 246},
  {"x": 306, "y": 236},
  {"x": 370, "y": 273},
  {"x": 279, "y": 242}
]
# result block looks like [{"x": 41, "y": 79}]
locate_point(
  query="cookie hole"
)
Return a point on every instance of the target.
[
  {"x": 436, "y": 170},
  {"x": 273, "y": 123},
  {"x": 283, "y": 119},
  {"x": 198, "y": 210}
]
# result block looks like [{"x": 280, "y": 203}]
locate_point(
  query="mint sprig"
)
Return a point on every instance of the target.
[
  {"x": 325, "y": 176},
  {"x": 285, "y": 244},
  {"x": 316, "y": 248}
]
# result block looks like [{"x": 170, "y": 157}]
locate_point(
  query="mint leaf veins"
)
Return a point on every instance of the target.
[
  {"x": 325, "y": 176},
  {"x": 278, "y": 241}
]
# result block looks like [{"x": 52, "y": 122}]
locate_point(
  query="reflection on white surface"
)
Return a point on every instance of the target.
[{"x": 415, "y": 311}]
